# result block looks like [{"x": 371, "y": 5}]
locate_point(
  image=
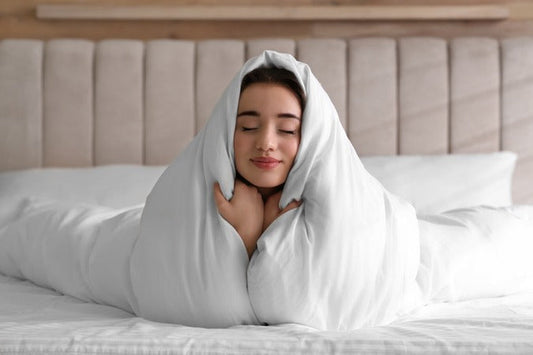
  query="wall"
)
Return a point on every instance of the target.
[{"x": 18, "y": 20}]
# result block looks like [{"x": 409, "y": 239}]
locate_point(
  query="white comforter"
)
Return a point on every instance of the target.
[
  {"x": 352, "y": 255},
  {"x": 85, "y": 251}
]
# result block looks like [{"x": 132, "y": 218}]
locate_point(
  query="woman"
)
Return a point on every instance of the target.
[
  {"x": 269, "y": 217},
  {"x": 265, "y": 142}
]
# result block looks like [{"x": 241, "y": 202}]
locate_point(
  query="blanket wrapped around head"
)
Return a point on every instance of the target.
[{"x": 347, "y": 257}]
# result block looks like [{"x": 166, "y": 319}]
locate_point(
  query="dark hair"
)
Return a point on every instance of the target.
[{"x": 279, "y": 76}]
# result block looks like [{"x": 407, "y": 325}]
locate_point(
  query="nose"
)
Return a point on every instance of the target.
[{"x": 266, "y": 139}]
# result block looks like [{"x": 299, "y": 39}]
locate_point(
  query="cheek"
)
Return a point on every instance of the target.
[
  {"x": 291, "y": 148},
  {"x": 239, "y": 145}
]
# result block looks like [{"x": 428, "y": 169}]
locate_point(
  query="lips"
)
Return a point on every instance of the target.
[{"x": 265, "y": 162}]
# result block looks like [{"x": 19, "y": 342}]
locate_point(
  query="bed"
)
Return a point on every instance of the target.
[{"x": 97, "y": 122}]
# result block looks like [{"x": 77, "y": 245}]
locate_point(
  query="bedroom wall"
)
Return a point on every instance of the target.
[{"x": 18, "y": 20}]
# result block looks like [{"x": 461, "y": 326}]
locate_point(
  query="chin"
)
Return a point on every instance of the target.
[
  {"x": 266, "y": 186},
  {"x": 262, "y": 182}
]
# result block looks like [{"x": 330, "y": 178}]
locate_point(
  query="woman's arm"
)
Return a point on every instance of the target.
[
  {"x": 247, "y": 214},
  {"x": 272, "y": 210},
  {"x": 244, "y": 212}
]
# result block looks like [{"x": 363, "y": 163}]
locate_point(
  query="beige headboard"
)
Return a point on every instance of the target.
[{"x": 80, "y": 103}]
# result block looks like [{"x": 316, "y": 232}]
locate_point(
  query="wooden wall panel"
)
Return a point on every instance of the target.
[{"x": 18, "y": 20}]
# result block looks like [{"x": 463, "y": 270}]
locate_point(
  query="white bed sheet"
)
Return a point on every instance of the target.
[{"x": 39, "y": 321}]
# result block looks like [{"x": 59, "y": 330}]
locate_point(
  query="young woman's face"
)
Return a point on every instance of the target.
[{"x": 267, "y": 134}]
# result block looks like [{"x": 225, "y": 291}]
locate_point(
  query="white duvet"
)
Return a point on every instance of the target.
[{"x": 352, "y": 255}]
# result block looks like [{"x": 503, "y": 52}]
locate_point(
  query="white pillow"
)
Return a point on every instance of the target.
[
  {"x": 476, "y": 252},
  {"x": 437, "y": 183},
  {"x": 432, "y": 183},
  {"x": 115, "y": 186}
]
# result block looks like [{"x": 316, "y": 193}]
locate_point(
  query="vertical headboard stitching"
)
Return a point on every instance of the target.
[
  {"x": 500, "y": 96},
  {"x": 195, "y": 84},
  {"x": 347, "y": 86},
  {"x": 397, "y": 93},
  {"x": 43, "y": 136},
  {"x": 93, "y": 106},
  {"x": 143, "y": 103},
  {"x": 449, "y": 88}
]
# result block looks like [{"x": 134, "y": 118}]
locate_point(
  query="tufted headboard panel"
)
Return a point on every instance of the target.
[{"x": 69, "y": 102}]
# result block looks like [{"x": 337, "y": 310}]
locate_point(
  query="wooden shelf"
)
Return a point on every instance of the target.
[{"x": 271, "y": 13}]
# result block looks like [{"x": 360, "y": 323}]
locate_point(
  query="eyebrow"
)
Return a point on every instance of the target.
[
  {"x": 256, "y": 114},
  {"x": 248, "y": 113}
]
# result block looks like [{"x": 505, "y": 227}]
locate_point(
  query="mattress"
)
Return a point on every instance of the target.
[{"x": 35, "y": 320}]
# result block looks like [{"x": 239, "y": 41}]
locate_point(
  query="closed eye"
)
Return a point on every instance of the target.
[
  {"x": 245, "y": 129},
  {"x": 287, "y": 132}
]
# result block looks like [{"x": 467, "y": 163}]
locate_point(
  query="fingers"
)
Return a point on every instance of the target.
[
  {"x": 241, "y": 187},
  {"x": 246, "y": 209},
  {"x": 272, "y": 202},
  {"x": 219, "y": 196},
  {"x": 220, "y": 200},
  {"x": 246, "y": 192},
  {"x": 292, "y": 205}
]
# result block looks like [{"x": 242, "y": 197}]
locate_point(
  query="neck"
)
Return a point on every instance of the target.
[{"x": 266, "y": 192}]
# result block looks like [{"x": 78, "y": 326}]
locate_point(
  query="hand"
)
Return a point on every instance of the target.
[
  {"x": 272, "y": 210},
  {"x": 244, "y": 212}
]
